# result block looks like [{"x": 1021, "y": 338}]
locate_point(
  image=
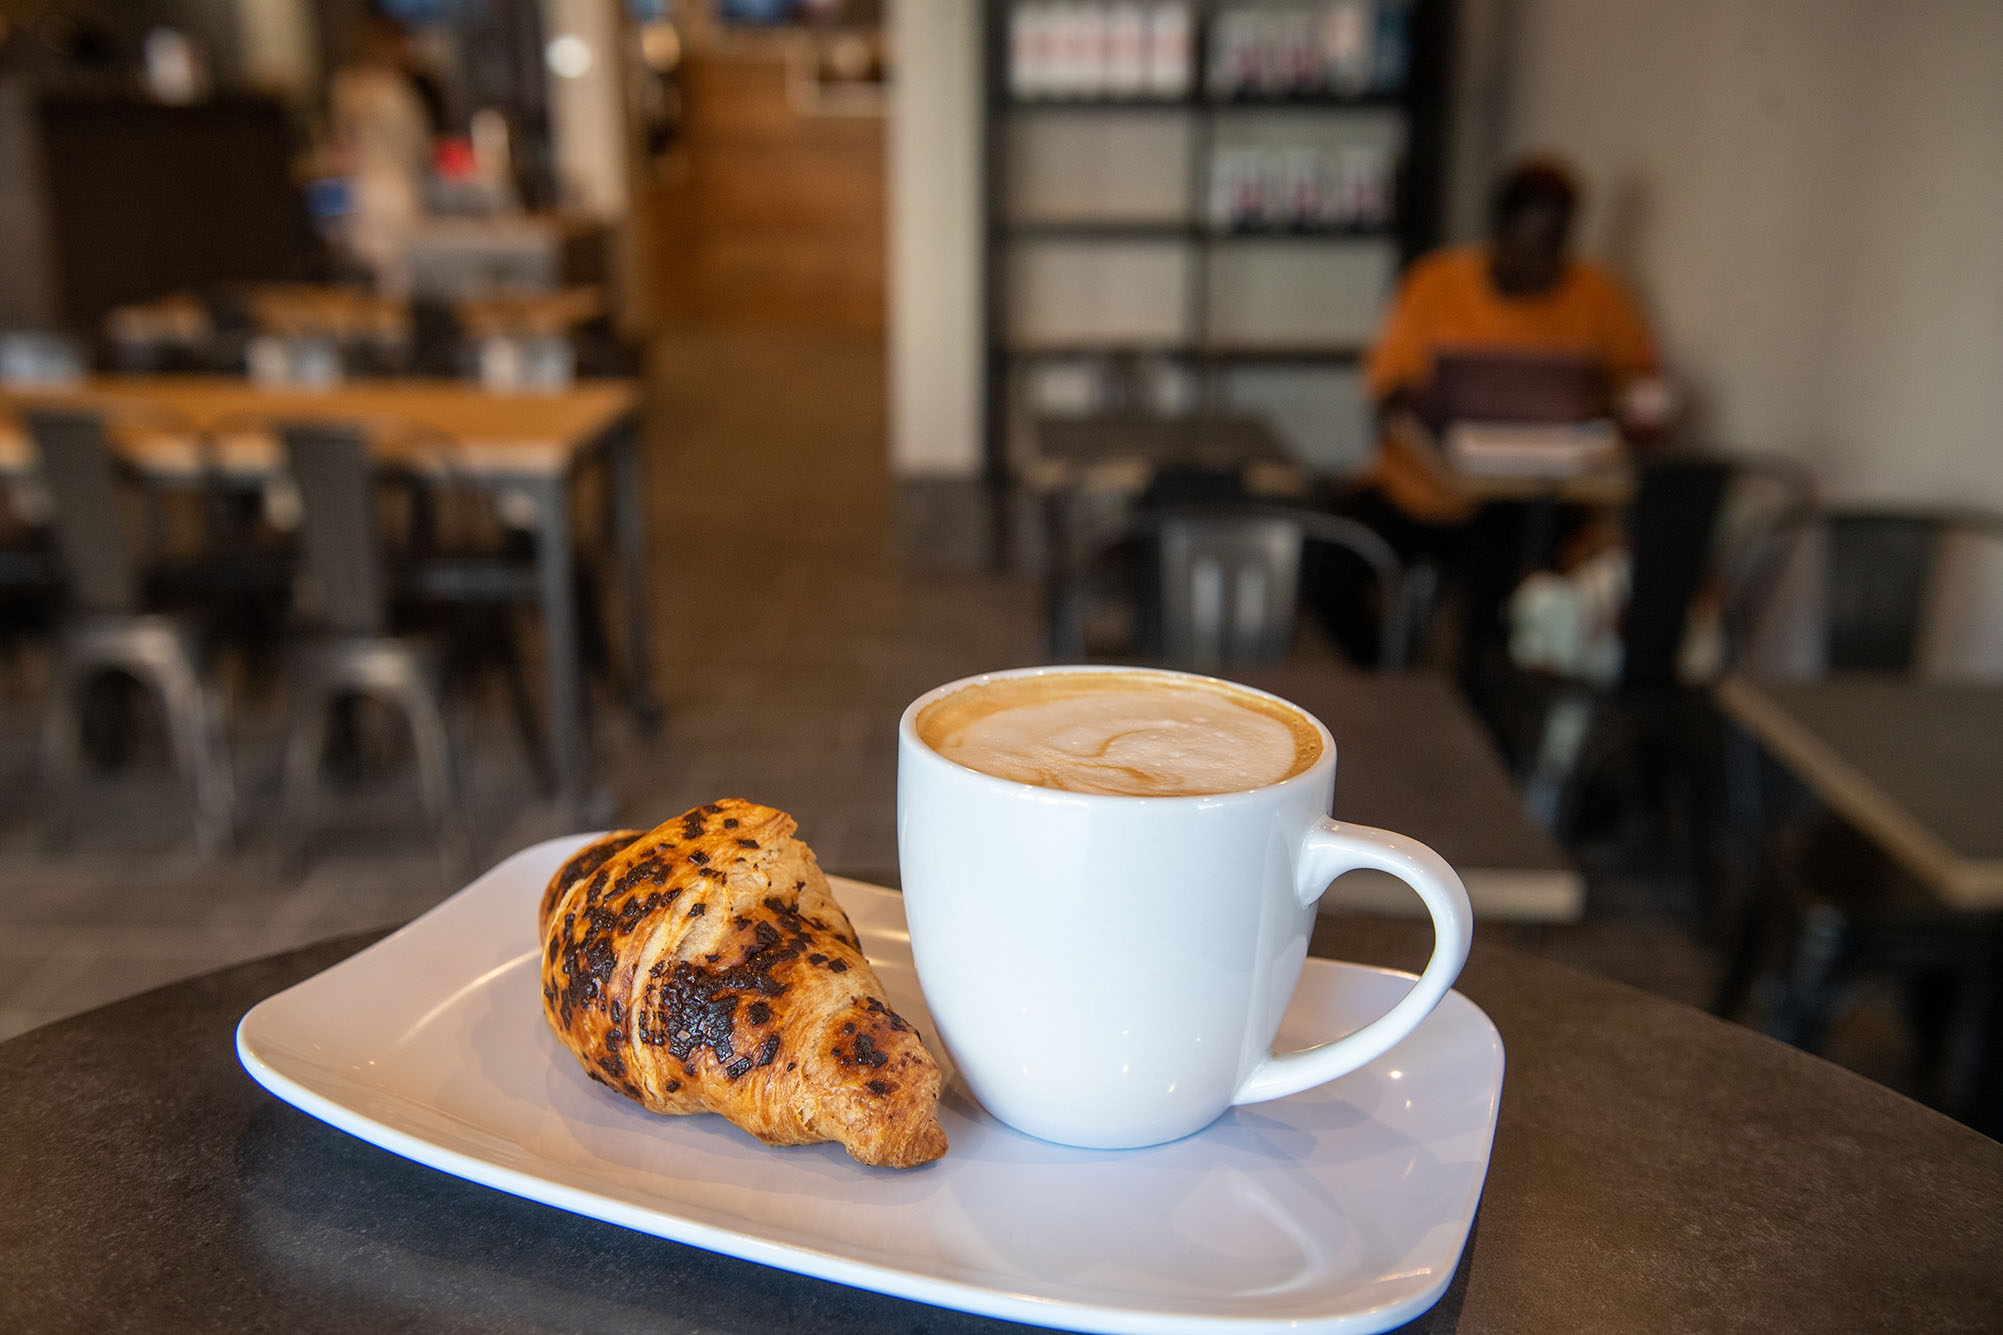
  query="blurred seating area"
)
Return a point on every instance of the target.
[
  {"x": 329, "y": 499},
  {"x": 1824, "y": 846},
  {"x": 315, "y": 390},
  {"x": 432, "y": 431},
  {"x": 183, "y": 495},
  {"x": 426, "y": 428}
]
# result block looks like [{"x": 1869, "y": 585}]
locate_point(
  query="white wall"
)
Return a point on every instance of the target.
[
  {"x": 935, "y": 238},
  {"x": 1808, "y": 195},
  {"x": 588, "y": 111},
  {"x": 276, "y": 39},
  {"x": 27, "y": 261}
]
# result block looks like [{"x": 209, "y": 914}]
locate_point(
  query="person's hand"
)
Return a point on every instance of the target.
[
  {"x": 1598, "y": 535},
  {"x": 1645, "y": 410},
  {"x": 1400, "y": 425}
]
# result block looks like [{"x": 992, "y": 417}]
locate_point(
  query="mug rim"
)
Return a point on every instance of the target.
[{"x": 907, "y": 733}]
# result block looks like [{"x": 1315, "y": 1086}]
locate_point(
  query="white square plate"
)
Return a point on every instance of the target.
[{"x": 1341, "y": 1209}]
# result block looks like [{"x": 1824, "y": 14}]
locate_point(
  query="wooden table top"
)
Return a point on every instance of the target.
[
  {"x": 324, "y": 309},
  {"x": 318, "y": 308},
  {"x": 352, "y": 313},
  {"x": 531, "y": 433},
  {"x": 531, "y": 312},
  {"x": 1412, "y": 757},
  {"x": 1917, "y": 765}
]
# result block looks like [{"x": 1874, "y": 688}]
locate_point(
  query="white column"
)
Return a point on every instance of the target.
[
  {"x": 276, "y": 37},
  {"x": 584, "y": 64},
  {"x": 936, "y": 345}
]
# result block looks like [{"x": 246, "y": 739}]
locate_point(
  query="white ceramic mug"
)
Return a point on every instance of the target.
[{"x": 1110, "y": 971}]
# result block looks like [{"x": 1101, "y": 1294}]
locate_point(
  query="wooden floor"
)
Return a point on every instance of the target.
[{"x": 766, "y": 215}]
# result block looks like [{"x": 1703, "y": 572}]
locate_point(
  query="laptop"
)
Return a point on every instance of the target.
[
  {"x": 1521, "y": 414},
  {"x": 1537, "y": 388}
]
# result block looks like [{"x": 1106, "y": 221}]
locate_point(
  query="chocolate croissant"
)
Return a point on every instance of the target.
[{"x": 704, "y": 966}]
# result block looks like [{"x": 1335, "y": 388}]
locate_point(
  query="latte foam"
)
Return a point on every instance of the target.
[{"x": 1137, "y": 734}]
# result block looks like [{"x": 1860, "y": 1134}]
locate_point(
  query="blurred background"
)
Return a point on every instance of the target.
[{"x": 432, "y": 426}]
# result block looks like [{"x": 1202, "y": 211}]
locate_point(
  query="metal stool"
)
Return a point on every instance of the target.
[
  {"x": 107, "y": 630},
  {"x": 353, "y": 652},
  {"x": 1227, "y": 582}
]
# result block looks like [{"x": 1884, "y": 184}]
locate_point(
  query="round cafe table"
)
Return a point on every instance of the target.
[{"x": 1654, "y": 1170}]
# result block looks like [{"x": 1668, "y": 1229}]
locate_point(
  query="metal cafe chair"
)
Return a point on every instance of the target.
[
  {"x": 30, "y": 578},
  {"x": 1225, "y": 582},
  {"x": 107, "y": 626},
  {"x": 445, "y": 572},
  {"x": 1694, "y": 518},
  {"x": 1828, "y": 903},
  {"x": 352, "y": 649},
  {"x": 1579, "y": 728}
]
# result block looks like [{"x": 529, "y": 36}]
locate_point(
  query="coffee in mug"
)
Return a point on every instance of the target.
[
  {"x": 1137, "y": 734},
  {"x": 1110, "y": 877}
]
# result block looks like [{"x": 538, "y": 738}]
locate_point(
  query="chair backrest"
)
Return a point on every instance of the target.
[
  {"x": 81, "y": 474},
  {"x": 330, "y": 465},
  {"x": 1670, "y": 529},
  {"x": 1230, "y": 581},
  {"x": 1228, "y": 587},
  {"x": 437, "y": 341},
  {"x": 1772, "y": 496},
  {"x": 1878, "y": 569},
  {"x": 1878, "y": 574},
  {"x": 30, "y": 357}
]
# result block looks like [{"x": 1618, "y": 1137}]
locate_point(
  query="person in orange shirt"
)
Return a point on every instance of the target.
[{"x": 1517, "y": 293}]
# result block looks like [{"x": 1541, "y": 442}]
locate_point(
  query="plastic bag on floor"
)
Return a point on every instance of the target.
[{"x": 1569, "y": 625}]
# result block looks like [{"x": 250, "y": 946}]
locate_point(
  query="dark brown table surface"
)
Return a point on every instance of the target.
[
  {"x": 1915, "y": 764},
  {"x": 1411, "y": 756},
  {"x": 1654, "y": 1170},
  {"x": 1121, "y": 454},
  {"x": 1214, "y": 440}
]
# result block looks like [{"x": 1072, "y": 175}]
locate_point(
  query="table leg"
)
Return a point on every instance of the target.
[
  {"x": 1540, "y": 535},
  {"x": 1065, "y": 640},
  {"x": 629, "y": 526},
  {"x": 1985, "y": 1092},
  {"x": 1749, "y": 910},
  {"x": 562, "y": 663},
  {"x": 1001, "y": 504}
]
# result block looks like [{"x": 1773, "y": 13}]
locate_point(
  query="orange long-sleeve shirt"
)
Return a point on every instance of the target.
[{"x": 1448, "y": 303}]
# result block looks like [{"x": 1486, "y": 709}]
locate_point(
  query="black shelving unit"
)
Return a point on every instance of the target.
[
  {"x": 1413, "y": 228},
  {"x": 1114, "y": 229},
  {"x": 1112, "y": 102},
  {"x": 1206, "y": 354}
]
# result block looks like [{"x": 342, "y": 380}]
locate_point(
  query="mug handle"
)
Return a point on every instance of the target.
[{"x": 1329, "y": 849}]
